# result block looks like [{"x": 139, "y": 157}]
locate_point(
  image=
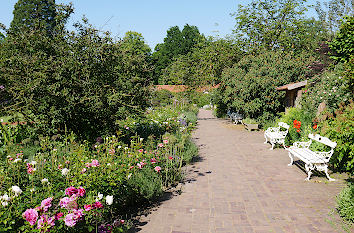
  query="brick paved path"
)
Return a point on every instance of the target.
[{"x": 241, "y": 186}]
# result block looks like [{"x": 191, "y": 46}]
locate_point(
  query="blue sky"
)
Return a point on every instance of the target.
[{"x": 152, "y": 18}]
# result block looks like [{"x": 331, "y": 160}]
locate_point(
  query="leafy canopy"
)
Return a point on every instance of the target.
[{"x": 276, "y": 24}]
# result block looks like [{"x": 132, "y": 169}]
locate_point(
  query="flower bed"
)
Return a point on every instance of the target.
[{"x": 76, "y": 187}]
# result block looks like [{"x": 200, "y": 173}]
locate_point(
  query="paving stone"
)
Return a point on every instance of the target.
[{"x": 242, "y": 186}]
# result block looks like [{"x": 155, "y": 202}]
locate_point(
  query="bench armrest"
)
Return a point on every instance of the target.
[
  {"x": 326, "y": 156},
  {"x": 302, "y": 144},
  {"x": 273, "y": 129}
]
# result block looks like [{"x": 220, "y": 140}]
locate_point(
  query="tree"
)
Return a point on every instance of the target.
[
  {"x": 333, "y": 13},
  {"x": 31, "y": 14},
  {"x": 343, "y": 43},
  {"x": 82, "y": 81},
  {"x": 204, "y": 64},
  {"x": 275, "y": 24},
  {"x": 176, "y": 43}
]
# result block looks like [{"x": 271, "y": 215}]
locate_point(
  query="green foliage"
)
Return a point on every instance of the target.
[
  {"x": 134, "y": 174},
  {"x": 343, "y": 43},
  {"x": 331, "y": 87},
  {"x": 176, "y": 43},
  {"x": 345, "y": 201},
  {"x": 250, "y": 86},
  {"x": 333, "y": 13},
  {"x": 277, "y": 24},
  {"x": 204, "y": 64},
  {"x": 341, "y": 130},
  {"x": 77, "y": 81},
  {"x": 298, "y": 134},
  {"x": 34, "y": 14}
]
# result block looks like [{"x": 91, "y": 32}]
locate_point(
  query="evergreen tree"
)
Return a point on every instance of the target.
[{"x": 34, "y": 14}]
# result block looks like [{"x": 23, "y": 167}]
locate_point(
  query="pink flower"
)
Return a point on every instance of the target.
[
  {"x": 97, "y": 205},
  {"x": 31, "y": 216},
  {"x": 67, "y": 161},
  {"x": 88, "y": 207},
  {"x": 160, "y": 145},
  {"x": 71, "y": 191},
  {"x": 11, "y": 158},
  {"x": 44, "y": 220},
  {"x": 95, "y": 163},
  {"x": 111, "y": 151},
  {"x": 68, "y": 202},
  {"x": 170, "y": 157},
  {"x": 83, "y": 170},
  {"x": 139, "y": 165},
  {"x": 165, "y": 141},
  {"x": 59, "y": 215},
  {"x": 157, "y": 168},
  {"x": 81, "y": 191},
  {"x": 70, "y": 220},
  {"x": 88, "y": 165},
  {"x": 30, "y": 170},
  {"x": 141, "y": 150},
  {"x": 46, "y": 204},
  {"x": 153, "y": 160}
]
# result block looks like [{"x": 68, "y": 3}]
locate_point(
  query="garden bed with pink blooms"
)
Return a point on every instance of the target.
[{"x": 72, "y": 186}]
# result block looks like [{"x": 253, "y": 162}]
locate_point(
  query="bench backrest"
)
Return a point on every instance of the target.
[
  {"x": 323, "y": 140},
  {"x": 284, "y": 125}
]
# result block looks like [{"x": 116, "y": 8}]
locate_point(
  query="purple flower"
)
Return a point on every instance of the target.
[
  {"x": 31, "y": 216},
  {"x": 46, "y": 204}
]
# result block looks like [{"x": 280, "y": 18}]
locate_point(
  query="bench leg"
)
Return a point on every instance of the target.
[
  {"x": 266, "y": 140},
  {"x": 309, "y": 168},
  {"x": 291, "y": 159},
  {"x": 326, "y": 171},
  {"x": 272, "y": 145}
]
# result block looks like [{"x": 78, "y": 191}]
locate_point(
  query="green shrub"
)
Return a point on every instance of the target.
[
  {"x": 345, "y": 201},
  {"x": 250, "y": 86},
  {"x": 341, "y": 130}
]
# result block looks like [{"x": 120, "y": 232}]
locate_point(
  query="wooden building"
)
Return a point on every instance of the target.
[{"x": 293, "y": 93}]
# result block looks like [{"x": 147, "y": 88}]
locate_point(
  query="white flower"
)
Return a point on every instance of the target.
[
  {"x": 65, "y": 171},
  {"x": 33, "y": 163},
  {"x": 141, "y": 139},
  {"x": 16, "y": 190},
  {"x": 9, "y": 156},
  {"x": 125, "y": 148},
  {"x": 99, "y": 196},
  {"x": 119, "y": 147},
  {"x": 4, "y": 203},
  {"x": 108, "y": 164},
  {"x": 45, "y": 180},
  {"x": 1, "y": 120},
  {"x": 5, "y": 197},
  {"x": 32, "y": 190},
  {"x": 109, "y": 200},
  {"x": 17, "y": 160}
]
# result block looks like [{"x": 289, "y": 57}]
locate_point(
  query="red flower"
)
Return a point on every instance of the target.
[
  {"x": 97, "y": 205},
  {"x": 314, "y": 127}
]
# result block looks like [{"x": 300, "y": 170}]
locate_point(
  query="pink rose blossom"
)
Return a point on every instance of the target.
[
  {"x": 141, "y": 151},
  {"x": 165, "y": 141},
  {"x": 83, "y": 170},
  {"x": 95, "y": 163},
  {"x": 157, "y": 168},
  {"x": 70, "y": 220},
  {"x": 46, "y": 204},
  {"x": 153, "y": 160},
  {"x": 88, "y": 207},
  {"x": 71, "y": 191},
  {"x": 160, "y": 145},
  {"x": 44, "y": 220},
  {"x": 31, "y": 216},
  {"x": 97, "y": 205},
  {"x": 59, "y": 215},
  {"x": 81, "y": 191},
  {"x": 68, "y": 202}
]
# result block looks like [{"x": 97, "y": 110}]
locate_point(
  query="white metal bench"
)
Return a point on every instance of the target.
[
  {"x": 312, "y": 159},
  {"x": 235, "y": 117},
  {"x": 276, "y": 135}
]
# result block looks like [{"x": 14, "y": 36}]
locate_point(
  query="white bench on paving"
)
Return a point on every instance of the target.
[
  {"x": 312, "y": 159},
  {"x": 276, "y": 135}
]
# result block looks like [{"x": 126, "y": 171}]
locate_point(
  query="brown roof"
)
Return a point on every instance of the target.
[
  {"x": 292, "y": 86},
  {"x": 180, "y": 88}
]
